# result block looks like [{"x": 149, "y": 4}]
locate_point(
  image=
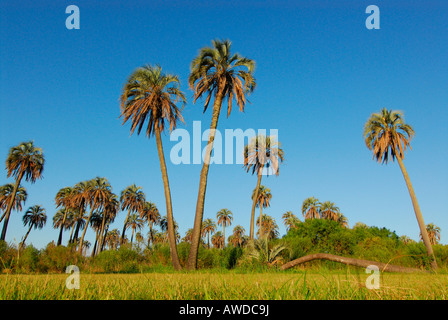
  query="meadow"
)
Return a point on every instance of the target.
[{"x": 211, "y": 285}]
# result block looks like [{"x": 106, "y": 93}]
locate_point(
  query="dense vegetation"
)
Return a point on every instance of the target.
[{"x": 311, "y": 236}]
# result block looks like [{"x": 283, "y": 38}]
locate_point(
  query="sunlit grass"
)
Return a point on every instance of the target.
[{"x": 225, "y": 286}]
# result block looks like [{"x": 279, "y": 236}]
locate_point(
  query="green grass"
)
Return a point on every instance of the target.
[{"x": 303, "y": 285}]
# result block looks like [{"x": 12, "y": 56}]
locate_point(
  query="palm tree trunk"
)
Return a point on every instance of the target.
[
  {"x": 95, "y": 245},
  {"x": 11, "y": 202},
  {"x": 132, "y": 236},
  {"x": 26, "y": 236},
  {"x": 102, "y": 233},
  {"x": 169, "y": 207},
  {"x": 196, "y": 234},
  {"x": 62, "y": 227},
  {"x": 124, "y": 227},
  {"x": 85, "y": 229},
  {"x": 259, "y": 221},
  {"x": 418, "y": 214},
  {"x": 224, "y": 233},
  {"x": 254, "y": 203},
  {"x": 150, "y": 238}
]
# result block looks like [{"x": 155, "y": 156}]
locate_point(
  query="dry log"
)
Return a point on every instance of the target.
[{"x": 350, "y": 261}]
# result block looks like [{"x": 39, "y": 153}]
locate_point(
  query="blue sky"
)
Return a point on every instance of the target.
[{"x": 320, "y": 74}]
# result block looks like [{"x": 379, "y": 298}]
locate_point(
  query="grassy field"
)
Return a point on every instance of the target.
[{"x": 349, "y": 285}]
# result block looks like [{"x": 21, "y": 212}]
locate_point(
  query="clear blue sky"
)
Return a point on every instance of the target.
[{"x": 320, "y": 74}]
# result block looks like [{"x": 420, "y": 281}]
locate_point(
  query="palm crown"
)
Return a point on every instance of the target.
[
  {"x": 215, "y": 70},
  {"x": 153, "y": 95},
  {"x": 387, "y": 135}
]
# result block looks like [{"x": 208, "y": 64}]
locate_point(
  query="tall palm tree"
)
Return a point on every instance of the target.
[
  {"x": 79, "y": 202},
  {"x": 132, "y": 198},
  {"x": 329, "y": 210},
  {"x": 208, "y": 226},
  {"x": 311, "y": 208},
  {"x": 388, "y": 136},
  {"x": 261, "y": 153},
  {"x": 64, "y": 200},
  {"x": 96, "y": 195},
  {"x": 111, "y": 206},
  {"x": 151, "y": 94},
  {"x": 225, "y": 217},
  {"x": 263, "y": 199},
  {"x": 290, "y": 220},
  {"x": 6, "y": 193},
  {"x": 219, "y": 73},
  {"x": 150, "y": 214},
  {"x": 34, "y": 217},
  {"x": 433, "y": 233},
  {"x": 24, "y": 160}
]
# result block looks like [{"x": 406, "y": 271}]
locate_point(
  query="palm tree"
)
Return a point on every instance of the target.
[
  {"x": 95, "y": 224},
  {"x": 34, "y": 217},
  {"x": 79, "y": 203},
  {"x": 387, "y": 135},
  {"x": 113, "y": 239},
  {"x": 150, "y": 214},
  {"x": 290, "y": 220},
  {"x": 188, "y": 235},
  {"x": 343, "y": 221},
  {"x": 99, "y": 190},
  {"x": 63, "y": 200},
  {"x": 24, "y": 160},
  {"x": 261, "y": 152},
  {"x": 61, "y": 221},
  {"x": 219, "y": 73},
  {"x": 151, "y": 94},
  {"x": 263, "y": 199},
  {"x": 6, "y": 193},
  {"x": 132, "y": 199},
  {"x": 218, "y": 240},
  {"x": 225, "y": 217},
  {"x": 208, "y": 226},
  {"x": 135, "y": 222},
  {"x": 111, "y": 206},
  {"x": 238, "y": 236},
  {"x": 433, "y": 233},
  {"x": 311, "y": 208},
  {"x": 328, "y": 210},
  {"x": 267, "y": 227}
]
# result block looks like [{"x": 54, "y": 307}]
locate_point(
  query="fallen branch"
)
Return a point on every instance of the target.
[{"x": 350, "y": 261}]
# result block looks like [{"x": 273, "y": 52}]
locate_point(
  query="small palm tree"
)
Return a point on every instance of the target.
[
  {"x": 262, "y": 153},
  {"x": 151, "y": 95},
  {"x": 24, "y": 160},
  {"x": 311, "y": 208},
  {"x": 208, "y": 226},
  {"x": 290, "y": 220},
  {"x": 218, "y": 240},
  {"x": 219, "y": 73},
  {"x": 135, "y": 222},
  {"x": 225, "y": 217},
  {"x": 132, "y": 199},
  {"x": 188, "y": 235},
  {"x": 238, "y": 236},
  {"x": 267, "y": 227},
  {"x": 433, "y": 233},
  {"x": 6, "y": 193},
  {"x": 329, "y": 211},
  {"x": 113, "y": 239},
  {"x": 150, "y": 214},
  {"x": 111, "y": 206},
  {"x": 34, "y": 217},
  {"x": 388, "y": 136},
  {"x": 265, "y": 253}
]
